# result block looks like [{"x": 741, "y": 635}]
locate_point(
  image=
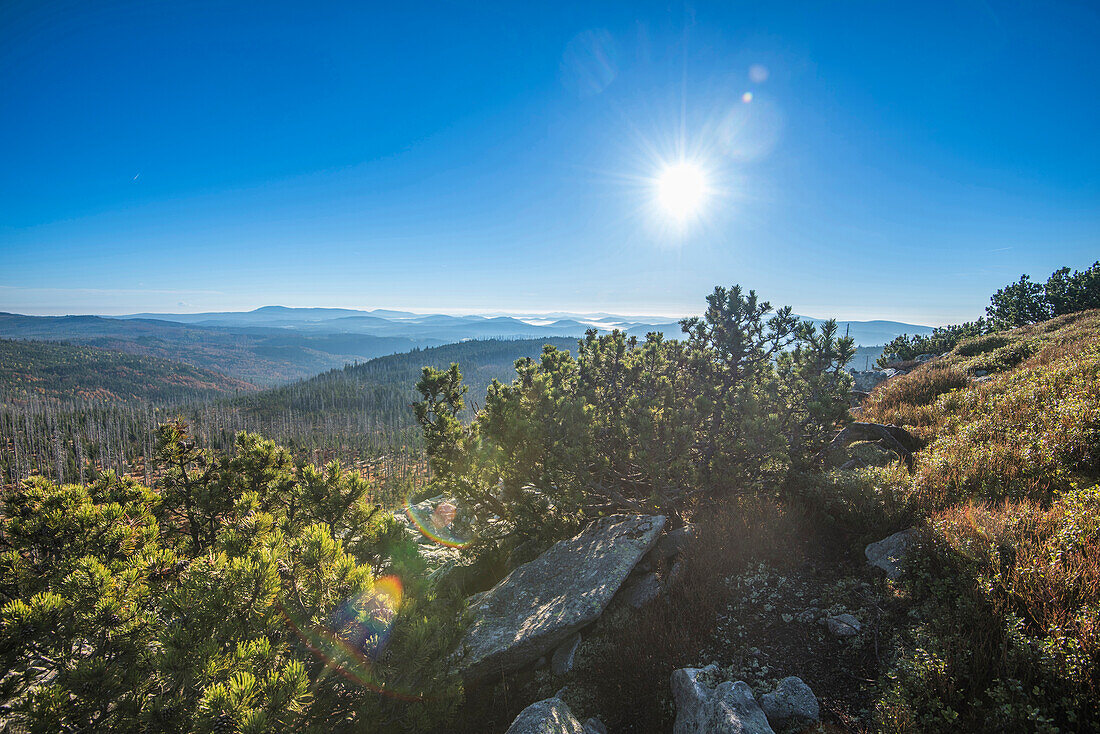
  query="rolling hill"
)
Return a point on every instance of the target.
[
  {"x": 360, "y": 414},
  {"x": 65, "y": 372},
  {"x": 452, "y": 328},
  {"x": 260, "y": 355}
]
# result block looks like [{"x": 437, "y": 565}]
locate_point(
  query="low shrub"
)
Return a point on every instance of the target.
[
  {"x": 906, "y": 399},
  {"x": 862, "y": 503},
  {"x": 1008, "y": 603}
]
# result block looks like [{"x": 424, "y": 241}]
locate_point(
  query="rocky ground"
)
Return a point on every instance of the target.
[{"x": 813, "y": 622}]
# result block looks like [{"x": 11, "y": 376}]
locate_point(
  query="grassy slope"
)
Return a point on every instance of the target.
[
  {"x": 1006, "y": 586},
  {"x": 54, "y": 371}
]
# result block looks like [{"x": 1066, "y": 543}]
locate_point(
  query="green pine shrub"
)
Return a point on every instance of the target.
[{"x": 245, "y": 594}]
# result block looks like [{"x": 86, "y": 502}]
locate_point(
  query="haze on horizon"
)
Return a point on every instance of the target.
[{"x": 870, "y": 161}]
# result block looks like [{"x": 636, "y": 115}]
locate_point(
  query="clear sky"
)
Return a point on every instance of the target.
[{"x": 895, "y": 160}]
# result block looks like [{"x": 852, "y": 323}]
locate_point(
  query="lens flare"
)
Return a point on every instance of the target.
[
  {"x": 590, "y": 62},
  {"x": 355, "y": 635},
  {"x": 440, "y": 521},
  {"x": 746, "y": 97}
]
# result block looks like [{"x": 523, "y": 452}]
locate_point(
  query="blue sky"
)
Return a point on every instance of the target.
[{"x": 897, "y": 160}]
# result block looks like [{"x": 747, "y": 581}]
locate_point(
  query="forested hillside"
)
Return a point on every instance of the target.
[
  {"x": 32, "y": 370},
  {"x": 360, "y": 414},
  {"x": 262, "y": 356},
  {"x": 385, "y": 387}
]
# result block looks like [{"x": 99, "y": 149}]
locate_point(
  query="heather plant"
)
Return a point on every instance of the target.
[{"x": 1009, "y": 602}]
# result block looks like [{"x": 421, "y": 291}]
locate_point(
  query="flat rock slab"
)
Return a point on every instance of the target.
[{"x": 541, "y": 604}]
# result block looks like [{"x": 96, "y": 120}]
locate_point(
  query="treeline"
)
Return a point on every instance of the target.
[{"x": 1017, "y": 304}]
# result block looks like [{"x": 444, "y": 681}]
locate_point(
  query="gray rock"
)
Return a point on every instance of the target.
[
  {"x": 843, "y": 625},
  {"x": 549, "y": 716},
  {"x": 867, "y": 380},
  {"x": 791, "y": 703},
  {"x": 594, "y": 726},
  {"x": 642, "y": 591},
  {"x": 562, "y": 662},
  {"x": 922, "y": 358},
  {"x": 702, "y": 707},
  {"x": 888, "y": 552},
  {"x": 674, "y": 542},
  {"x": 541, "y": 604}
]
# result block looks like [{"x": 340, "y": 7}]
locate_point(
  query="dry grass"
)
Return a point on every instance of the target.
[{"x": 1028, "y": 431}]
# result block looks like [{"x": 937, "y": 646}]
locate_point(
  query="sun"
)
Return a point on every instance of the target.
[{"x": 682, "y": 190}]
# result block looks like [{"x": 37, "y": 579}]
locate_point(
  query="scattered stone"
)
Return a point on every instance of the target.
[
  {"x": 541, "y": 604},
  {"x": 549, "y": 716},
  {"x": 792, "y": 703},
  {"x": 562, "y": 662},
  {"x": 643, "y": 591},
  {"x": 674, "y": 542},
  {"x": 705, "y": 708},
  {"x": 808, "y": 616},
  {"x": 843, "y": 625},
  {"x": 922, "y": 358},
  {"x": 888, "y": 552},
  {"x": 594, "y": 726}
]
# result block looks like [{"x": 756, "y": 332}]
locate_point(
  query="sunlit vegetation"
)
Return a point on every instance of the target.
[
  {"x": 1007, "y": 586},
  {"x": 242, "y": 593},
  {"x": 248, "y": 588},
  {"x": 1017, "y": 304}
]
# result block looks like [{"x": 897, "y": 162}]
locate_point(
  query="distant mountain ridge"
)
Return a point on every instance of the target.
[
  {"x": 278, "y": 344},
  {"x": 448, "y": 327}
]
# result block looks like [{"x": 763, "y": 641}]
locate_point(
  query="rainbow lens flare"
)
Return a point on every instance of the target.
[
  {"x": 441, "y": 521},
  {"x": 355, "y": 635}
]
